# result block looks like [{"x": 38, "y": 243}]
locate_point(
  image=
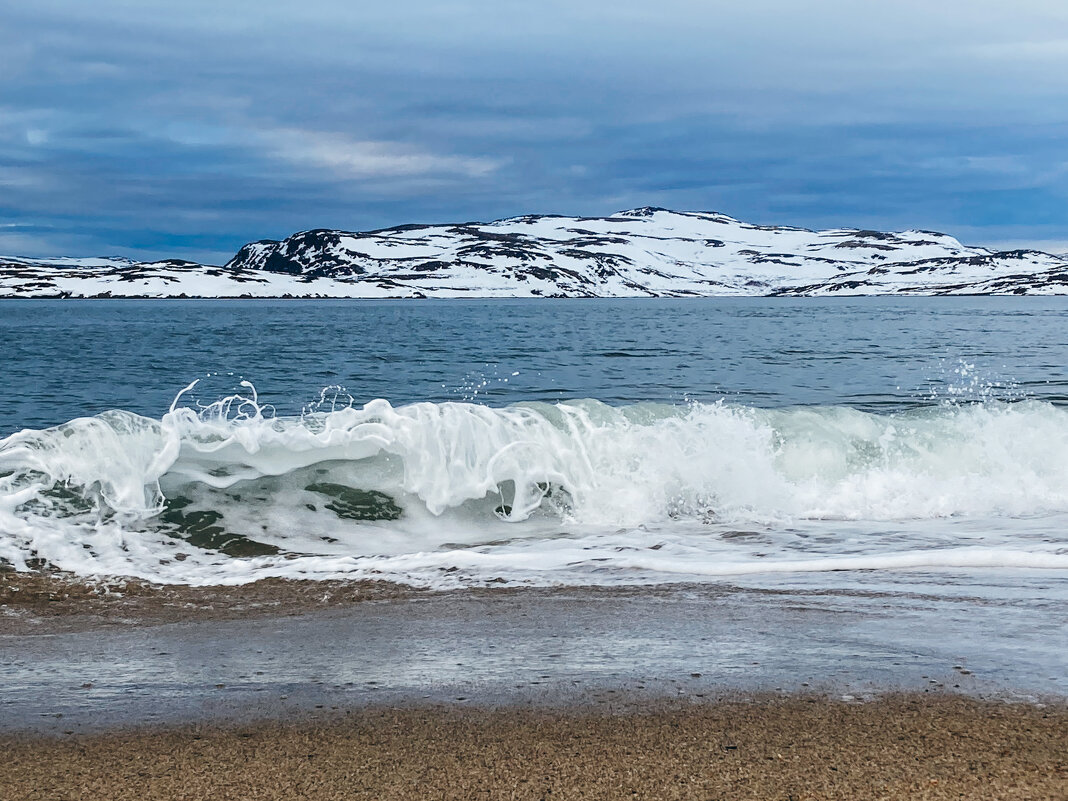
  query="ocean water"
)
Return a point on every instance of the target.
[{"x": 918, "y": 442}]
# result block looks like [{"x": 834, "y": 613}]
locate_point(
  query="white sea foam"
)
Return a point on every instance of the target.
[{"x": 574, "y": 492}]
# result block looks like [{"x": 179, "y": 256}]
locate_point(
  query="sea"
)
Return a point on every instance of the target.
[{"x": 868, "y": 443}]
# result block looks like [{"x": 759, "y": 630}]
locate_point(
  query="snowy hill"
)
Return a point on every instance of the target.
[{"x": 639, "y": 253}]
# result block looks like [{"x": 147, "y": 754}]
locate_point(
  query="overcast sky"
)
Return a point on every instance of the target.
[{"x": 188, "y": 127}]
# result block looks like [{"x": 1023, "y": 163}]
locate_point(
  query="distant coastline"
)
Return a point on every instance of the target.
[{"x": 645, "y": 252}]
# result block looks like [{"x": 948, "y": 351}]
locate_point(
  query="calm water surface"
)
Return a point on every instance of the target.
[{"x": 64, "y": 359}]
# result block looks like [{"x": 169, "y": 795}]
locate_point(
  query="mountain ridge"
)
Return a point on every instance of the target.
[{"x": 643, "y": 252}]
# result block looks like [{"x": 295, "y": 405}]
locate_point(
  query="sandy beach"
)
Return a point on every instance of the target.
[
  {"x": 910, "y": 746},
  {"x": 330, "y": 690}
]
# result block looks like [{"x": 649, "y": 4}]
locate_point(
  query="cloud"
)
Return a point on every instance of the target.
[
  {"x": 342, "y": 155},
  {"x": 197, "y": 126},
  {"x": 1055, "y": 246},
  {"x": 1042, "y": 50},
  {"x": 14, "y": 242}
]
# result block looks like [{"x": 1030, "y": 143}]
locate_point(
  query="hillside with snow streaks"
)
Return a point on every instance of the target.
[{"x": 645, "y": 252}]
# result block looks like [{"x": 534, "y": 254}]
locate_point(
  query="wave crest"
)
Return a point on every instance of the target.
[{"x": 164, "y": 499}]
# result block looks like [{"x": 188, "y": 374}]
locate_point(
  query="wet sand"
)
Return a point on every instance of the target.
[
  {"x": 275, "y": 650},
  {"x": 47, "y": 603},
  {"x": 772, "y": 748},
  {"x": 330, "y": 690}
]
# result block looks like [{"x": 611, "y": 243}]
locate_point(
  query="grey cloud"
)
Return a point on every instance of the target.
[{"x": 199, "y": 125}]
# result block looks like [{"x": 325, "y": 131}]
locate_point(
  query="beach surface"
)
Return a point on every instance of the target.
[
  {"x": 148, "y": 655},
  {"x": 909, "y": 746},
  {"x": 369, "y": 690},
  {"x": 924, "y": 687}
]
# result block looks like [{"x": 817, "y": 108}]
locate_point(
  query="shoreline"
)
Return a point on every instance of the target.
[
  {"x": 286, "y": 689},
  {"x": 770, "y": 747},
  {"x": 146, "y": 655},
  {"x": 57, "y": 602}
]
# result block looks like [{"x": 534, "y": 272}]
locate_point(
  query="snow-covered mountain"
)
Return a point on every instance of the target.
[{"x": 642, "y": 252}]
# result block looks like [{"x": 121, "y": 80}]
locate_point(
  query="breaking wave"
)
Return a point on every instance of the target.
[{"x": 577, "y": 492}]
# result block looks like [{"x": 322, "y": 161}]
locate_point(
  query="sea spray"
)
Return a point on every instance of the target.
[{"x": 577, "y": 492}]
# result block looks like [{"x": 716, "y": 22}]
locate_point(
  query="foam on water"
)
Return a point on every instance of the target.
[{"x": 582, "y": 492}]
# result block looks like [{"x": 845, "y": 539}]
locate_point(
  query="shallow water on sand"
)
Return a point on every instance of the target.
[{"x": 534, "y": 647}]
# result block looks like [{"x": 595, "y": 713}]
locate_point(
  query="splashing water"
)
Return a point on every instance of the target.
[{"x": 580, "y": 492}]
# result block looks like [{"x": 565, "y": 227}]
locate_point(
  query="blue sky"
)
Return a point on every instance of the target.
[{"x": 186, "y": 128}]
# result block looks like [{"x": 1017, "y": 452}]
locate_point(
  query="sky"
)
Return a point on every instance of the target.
[{"x": 187, "y": 128}]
